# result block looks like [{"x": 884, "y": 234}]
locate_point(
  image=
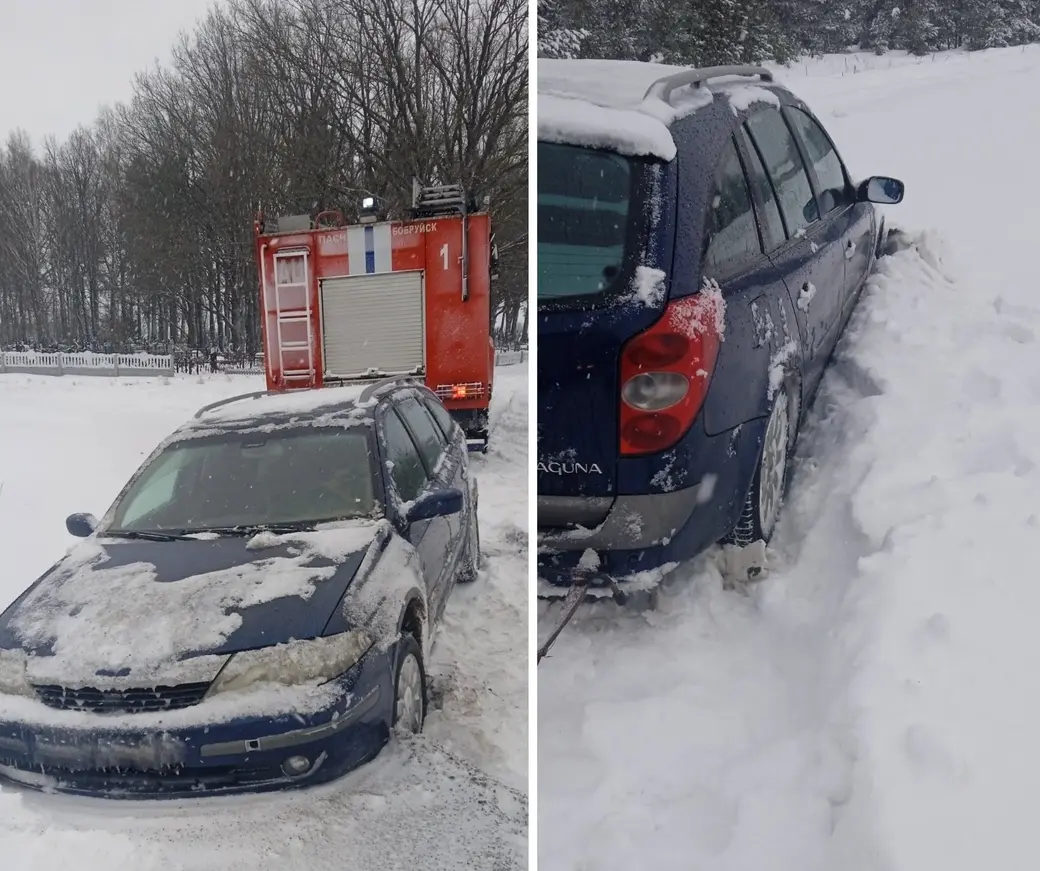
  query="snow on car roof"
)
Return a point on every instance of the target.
[
  {"x": 601, "y": 104},
  {"x": 294, "y": 402}
]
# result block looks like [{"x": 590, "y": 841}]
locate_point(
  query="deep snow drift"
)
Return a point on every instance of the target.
[
  {"x": 869, "y": 706},
  {"x": 454, "y": 795}
]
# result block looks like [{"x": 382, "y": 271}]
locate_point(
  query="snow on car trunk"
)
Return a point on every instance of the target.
[
  {"x": 452, "y": 796},
  {"x": 869, "y": 706}
]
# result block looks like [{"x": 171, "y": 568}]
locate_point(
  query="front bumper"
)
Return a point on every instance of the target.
[{"x": 245, "y": 754}]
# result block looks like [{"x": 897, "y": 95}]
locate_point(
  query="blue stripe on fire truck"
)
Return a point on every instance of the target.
[{"x": 370, "y": 249}]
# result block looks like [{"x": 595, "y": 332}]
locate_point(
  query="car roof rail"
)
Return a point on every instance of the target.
[
  {"x": 376, "y": 386},
  {"x": 663, "y": 87},
  {"x": 254, "y": 395}
]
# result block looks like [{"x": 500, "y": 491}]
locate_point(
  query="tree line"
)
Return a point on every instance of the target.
[
  {"x": 136, "y": 232},
  {"x": 709, "y": 32}
]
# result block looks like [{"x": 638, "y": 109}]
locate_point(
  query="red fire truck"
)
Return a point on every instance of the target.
[{"x": 347, "y": 303}]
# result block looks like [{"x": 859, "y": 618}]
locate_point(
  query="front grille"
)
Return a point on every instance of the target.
[{"x": 135, "y": 700}]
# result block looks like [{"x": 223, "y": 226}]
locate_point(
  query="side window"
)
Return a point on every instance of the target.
[
  {"x": 773, "y": 235},
  {"x": 427, "y": 436},
  {"x": 786, "y": 169},
  {"x": 442, "y": 416},
  {"x": 406, "y": 467},
  {"x": 834, "y": 189},
  {"x": 731, "y": 231}
]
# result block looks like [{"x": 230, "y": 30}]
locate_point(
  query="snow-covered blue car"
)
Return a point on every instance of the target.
[
  {"x": 255, "y": 610},
  {"x": 701, "y": 246}
]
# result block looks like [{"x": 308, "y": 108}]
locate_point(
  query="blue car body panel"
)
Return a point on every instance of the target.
[
  {"x": 87, "y": 756},
  {"x": 243, "y": 754},
  {"x": 175, "y": 561},
  {"x": 642, "y": 512}
]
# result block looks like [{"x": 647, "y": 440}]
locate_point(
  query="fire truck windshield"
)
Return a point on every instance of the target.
[{"x": 240, "y": 481}]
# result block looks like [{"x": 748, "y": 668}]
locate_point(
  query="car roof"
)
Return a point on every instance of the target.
[
  {"x": 347, "y": 405},
  {"x": 606, "y": 104}
]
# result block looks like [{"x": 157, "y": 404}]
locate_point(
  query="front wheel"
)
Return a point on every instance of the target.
[
  {"x": 409, "y": 686},
  {"x": 766, "y": 494}
]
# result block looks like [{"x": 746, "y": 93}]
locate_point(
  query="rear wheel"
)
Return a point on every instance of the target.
[
  {"x": 766, "y": 495},
  {"x": 409, "y": 686}
]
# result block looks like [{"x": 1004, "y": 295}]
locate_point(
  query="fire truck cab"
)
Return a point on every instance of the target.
[{"x": 349, "y": 303}]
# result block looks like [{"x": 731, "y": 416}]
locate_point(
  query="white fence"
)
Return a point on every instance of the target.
[
  {"x": 139, "y": 364},
  {"x": 510, "y": 358},
  {"x": 85, "y": 363}
]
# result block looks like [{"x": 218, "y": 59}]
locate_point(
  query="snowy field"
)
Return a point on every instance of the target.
[
  {"x": 456, "y": 794},
  {"x": 870, "y": 706}
]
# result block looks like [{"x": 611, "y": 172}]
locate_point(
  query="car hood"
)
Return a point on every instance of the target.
[{"x": 133, "y": 610}]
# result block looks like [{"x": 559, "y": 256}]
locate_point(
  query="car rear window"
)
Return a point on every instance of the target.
[
  {"x": 252, "y": 479},
  {"x": 587, "y": 206}
]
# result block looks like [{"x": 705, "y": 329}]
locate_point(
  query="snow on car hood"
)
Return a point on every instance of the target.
[{"x": 170, "y": 612}]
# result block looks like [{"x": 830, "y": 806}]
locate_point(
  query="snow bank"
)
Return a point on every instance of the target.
[{"x": 942, "y": 617}]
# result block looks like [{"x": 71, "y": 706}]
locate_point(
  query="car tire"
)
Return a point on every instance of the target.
[
  {"x": 409, "y": 711},
  {"x": 470, "y": 563},
  {"x": 765, "y": 497}
]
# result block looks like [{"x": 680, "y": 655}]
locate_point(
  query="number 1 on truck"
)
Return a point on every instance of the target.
[{"x": 345, "y": 303}]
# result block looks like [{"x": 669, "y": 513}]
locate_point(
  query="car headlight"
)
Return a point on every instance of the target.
[
  {"x": 297, "y": 662},
  {"x": 13, "y": 678}
]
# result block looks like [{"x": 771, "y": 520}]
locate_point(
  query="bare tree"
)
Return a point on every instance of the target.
[{"x": 138, "y": 230}]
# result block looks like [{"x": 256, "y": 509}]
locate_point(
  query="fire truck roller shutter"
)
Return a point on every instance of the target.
[{"x": 373, "y": 322}]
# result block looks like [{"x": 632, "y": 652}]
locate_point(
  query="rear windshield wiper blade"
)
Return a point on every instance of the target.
[{"x": 147, "y": 535}]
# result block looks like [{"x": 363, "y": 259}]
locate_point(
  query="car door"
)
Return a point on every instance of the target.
[
  {"x": 812, "y": 262},
  {"x": 837, "y": 199},
  {"x": 409, "y": 480},
  {"x": 456, "y": 449},
  {"x": 440, "y": 471},
  {"x": 754, "y": 291}
]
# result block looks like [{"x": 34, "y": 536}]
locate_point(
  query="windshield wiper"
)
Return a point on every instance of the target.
[
  {"x": 146, "y": 535},
  {"x": 254, "y": 528}
]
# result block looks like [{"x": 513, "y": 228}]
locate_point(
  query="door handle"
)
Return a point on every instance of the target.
[{"x": 850, "y": 249}]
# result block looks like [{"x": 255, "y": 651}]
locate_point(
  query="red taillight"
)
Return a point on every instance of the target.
[{"x": 680, "y": 347}]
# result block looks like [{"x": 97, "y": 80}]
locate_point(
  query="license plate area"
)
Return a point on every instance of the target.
[{"x": 93, "y": 753}]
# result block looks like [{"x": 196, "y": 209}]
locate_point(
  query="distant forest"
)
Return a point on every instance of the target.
[
  {"x": 710, "y": 32},
  {"x": 137, "y": 231}
]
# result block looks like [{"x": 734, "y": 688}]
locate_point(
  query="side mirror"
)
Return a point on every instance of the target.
[
  {"x": 881, "y": 189},
  {"x": 438, "y": 503},
  {"x": 81, "y": 525}
]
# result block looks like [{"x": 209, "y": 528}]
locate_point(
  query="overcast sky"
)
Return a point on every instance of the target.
[{"x": 61, "y": 60}]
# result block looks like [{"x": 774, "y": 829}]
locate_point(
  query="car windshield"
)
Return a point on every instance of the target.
[
  {"x": 285, "y": 477},
  {"x": 585, "y": 200}
]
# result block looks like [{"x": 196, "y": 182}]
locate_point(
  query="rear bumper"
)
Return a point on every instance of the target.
[
  {"x": 240, "y": 755},
  {"x": 639, "y": 532}
]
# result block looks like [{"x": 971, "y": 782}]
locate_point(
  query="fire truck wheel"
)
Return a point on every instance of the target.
[{"x": 471, "y": 556}]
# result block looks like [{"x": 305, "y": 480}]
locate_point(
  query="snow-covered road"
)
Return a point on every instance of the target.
[
  {"x": 454, "y": 796},
  {"x": 870, "y": 706}
]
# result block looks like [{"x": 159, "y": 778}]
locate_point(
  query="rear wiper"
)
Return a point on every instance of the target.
[{"x": 146, "y": 534}]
